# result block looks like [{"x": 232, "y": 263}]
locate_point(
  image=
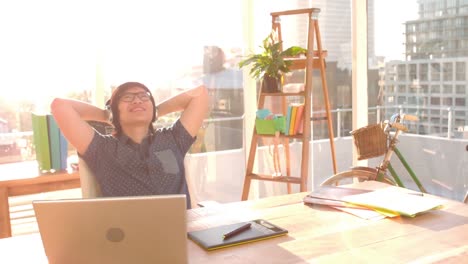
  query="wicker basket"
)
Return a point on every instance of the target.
[{"x": 370, "y": 141}]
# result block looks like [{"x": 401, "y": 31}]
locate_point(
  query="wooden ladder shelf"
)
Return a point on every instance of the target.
[{"x": 315, "y": 59}]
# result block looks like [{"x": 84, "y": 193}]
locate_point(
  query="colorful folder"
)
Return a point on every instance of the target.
[{"x": 50, "y": 145}]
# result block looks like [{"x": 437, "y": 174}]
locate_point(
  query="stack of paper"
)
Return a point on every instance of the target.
[
  {"x": 333, "y": 196},
  {"x": 394, "y": 201},
  {"x": 379, "y": 198}
]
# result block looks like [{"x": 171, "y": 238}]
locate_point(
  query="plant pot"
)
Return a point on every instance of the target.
[{"x": 271, "y": 84}]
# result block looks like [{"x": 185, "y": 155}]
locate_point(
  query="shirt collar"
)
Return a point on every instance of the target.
[{"x": 128, "y": 141}]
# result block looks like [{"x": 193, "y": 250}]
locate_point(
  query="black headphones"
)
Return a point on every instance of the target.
[{"x": 109, "y": 110}]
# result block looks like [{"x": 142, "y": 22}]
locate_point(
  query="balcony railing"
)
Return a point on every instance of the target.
[{"x": 445, "y": 128}]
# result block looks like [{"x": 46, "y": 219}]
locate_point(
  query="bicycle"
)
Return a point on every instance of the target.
[{"x": 373, "y": 141}]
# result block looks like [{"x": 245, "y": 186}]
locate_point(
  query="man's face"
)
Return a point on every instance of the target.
[{"x": 135, "y": 107}]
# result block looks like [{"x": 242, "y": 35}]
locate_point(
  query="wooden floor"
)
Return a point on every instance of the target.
[{"x": 23, "y": 220}]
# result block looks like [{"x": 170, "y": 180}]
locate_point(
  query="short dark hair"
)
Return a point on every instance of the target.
[{"x": 113, "y": 105}]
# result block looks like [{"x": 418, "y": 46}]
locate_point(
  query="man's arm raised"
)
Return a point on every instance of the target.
[
  {"x": 193, "y": 103},
  {"x": 71, "y": 116}
]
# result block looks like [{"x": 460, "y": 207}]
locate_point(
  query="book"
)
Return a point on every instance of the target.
[
  {"x": 54, "y": 139},
  {"x": 41, "y": 141},
  {"x": 293, "y": 119},
  {"x": 63, "y": 151},
  {"x": 299, "y": 119},
  {"x": 58, "y": 151},
  {"x": 288, "y": 119},
  {"x": 213, "y": 238},
  {"x": 301, "y": 127}
]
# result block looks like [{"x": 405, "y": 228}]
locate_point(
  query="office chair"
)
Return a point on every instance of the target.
[{"x": 89, "y": 186}]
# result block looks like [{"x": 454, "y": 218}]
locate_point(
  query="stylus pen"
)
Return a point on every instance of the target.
[{"x": 237, "y": 231}]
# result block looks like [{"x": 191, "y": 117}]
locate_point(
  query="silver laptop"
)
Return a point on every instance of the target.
[{"x": 142, "y": 229}]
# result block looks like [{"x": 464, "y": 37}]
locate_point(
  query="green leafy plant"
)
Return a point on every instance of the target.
[{"x": 271, "y": 62}]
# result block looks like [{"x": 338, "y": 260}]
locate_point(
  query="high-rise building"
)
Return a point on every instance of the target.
[
  {"x": 431, "y": 82},
  {"x": 441, "y": 30},
  {"x": 335, "y": 28}
]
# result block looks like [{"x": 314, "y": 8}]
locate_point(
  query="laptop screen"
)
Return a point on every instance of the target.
[{"x": 140, "y": 229}]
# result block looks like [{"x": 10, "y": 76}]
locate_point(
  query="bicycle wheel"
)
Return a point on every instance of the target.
[{"x": 361, "y": 174}]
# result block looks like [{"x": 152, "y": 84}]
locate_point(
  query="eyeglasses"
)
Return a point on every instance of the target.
[{"x": 129, "y": 97}]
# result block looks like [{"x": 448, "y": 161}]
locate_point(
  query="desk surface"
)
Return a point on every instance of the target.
[{"x": 316, "y": 234}]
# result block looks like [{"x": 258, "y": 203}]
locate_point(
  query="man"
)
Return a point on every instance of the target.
[{"x": 136, "y": 159}]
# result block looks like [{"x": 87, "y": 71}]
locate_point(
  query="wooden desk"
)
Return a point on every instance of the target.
[
  {"x": 39, "y": 184},
  {"x": 316, "y": 234}
]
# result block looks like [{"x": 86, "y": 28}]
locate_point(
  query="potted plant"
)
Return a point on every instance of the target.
[{"x": 270, "y": 65}]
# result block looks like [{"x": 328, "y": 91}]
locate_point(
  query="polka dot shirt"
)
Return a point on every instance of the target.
[{"x": 156, "y": 166}]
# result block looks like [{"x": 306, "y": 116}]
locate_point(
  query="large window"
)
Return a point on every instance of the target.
[
  {"x": 50, "y": 53},
  {"x": 84, "y": 50},
  {"x": 429, "y": 35}
]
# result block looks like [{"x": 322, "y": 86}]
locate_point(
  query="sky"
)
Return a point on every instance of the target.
[
  {"x": 389, "y": 28},
  {"x": 53, "y": 46}
]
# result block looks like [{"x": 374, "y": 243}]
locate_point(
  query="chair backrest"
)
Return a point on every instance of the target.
[
  {"x": 466, "y": 198},
  {"x": 89, "y": 186}
]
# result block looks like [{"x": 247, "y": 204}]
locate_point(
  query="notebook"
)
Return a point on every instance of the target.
[
  {"x": 213, "y": 238},
  {"x": 142, "y": 229}
]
